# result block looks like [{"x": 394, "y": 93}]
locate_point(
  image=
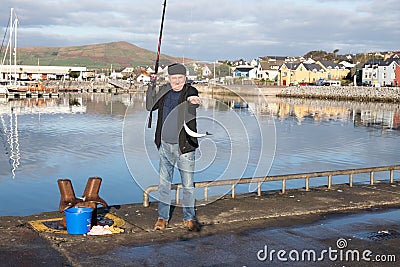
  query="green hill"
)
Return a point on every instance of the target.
[{"x": 97, "y": 56}]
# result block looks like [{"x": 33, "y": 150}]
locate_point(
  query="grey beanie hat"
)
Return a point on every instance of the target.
[{"x": 176, "y": 68}]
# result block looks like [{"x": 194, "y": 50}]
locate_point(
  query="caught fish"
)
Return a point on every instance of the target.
[{"x": 193, "y": 133}]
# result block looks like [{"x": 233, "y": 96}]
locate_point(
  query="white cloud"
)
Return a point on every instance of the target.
[{"x": 209, "y": 30}]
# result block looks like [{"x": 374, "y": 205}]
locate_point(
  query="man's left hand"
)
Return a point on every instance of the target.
[{"x": 194, "y": 100}]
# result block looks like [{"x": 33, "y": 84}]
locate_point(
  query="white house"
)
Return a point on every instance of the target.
[
  {"x": 246, "y": 72},
  {"x": 269, "y": 69},
  {"x": 116, "y": 75},
  {"x": 191, "y": 74},
  {"x": 380, "y": 72},
  {"x": 255, "y": 62},
  {"x": 386, "y": 73},
  {"x": 205, "y": 71},
  {"x": 143, "y": 77},
  {"x": 128, "y": 72},
  {"x": 370, "y": 71}
]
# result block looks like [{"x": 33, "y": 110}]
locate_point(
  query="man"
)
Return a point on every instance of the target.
[{"x": 176, "y": 103}]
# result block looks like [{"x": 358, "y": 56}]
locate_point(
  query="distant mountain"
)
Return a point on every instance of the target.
[{"x": 97, "y": 56}]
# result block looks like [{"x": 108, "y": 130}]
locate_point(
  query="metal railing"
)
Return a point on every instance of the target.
[{"x": 283, "y": 178}]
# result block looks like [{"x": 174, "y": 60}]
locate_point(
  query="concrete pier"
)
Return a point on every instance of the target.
[{"x": 21, "y": 245}]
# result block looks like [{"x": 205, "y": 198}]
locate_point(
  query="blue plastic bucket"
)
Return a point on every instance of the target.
[{"x": 78, "y": 220}]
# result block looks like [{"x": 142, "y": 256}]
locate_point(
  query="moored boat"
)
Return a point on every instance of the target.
[
  {"x": 240, "y": 105},
  {"x": 38, "y": 87},
  {"x": 17, "y": 88}
]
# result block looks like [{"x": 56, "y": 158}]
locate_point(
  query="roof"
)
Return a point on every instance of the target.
[
  {"x": 191, "y": 71},
  {"x": 273, "y": 58},
  {"x": 291, "y": 65},
  {"x": 347, "y": 64},
  {"x": 313, "y": 67},
  {"x": 379, "y": 62},
  {"x": 268, "y": 65},
  {"x": 329, "y": 64},
  {"x": 391, "y": 60},
  {"x": 128, "y": 69},
  {"x": 244, "y": 69}
]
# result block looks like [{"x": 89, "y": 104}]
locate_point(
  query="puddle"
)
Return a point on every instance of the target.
[{"x": 379, "y": 236}]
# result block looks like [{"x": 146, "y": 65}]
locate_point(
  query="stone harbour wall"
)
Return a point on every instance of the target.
[
  {"x": 358, "y": 93},
  {"x": 81, "y": 85}
]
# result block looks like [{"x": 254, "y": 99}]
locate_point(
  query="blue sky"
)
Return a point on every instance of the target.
[{"x": 212, "y": 30}]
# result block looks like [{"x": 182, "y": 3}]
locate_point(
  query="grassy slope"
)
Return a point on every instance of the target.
[{"x": 97, "y": 56}]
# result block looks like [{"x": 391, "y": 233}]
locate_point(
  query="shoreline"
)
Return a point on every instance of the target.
[{"x": 339, "y": 93}]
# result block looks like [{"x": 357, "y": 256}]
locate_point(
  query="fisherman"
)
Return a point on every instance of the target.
[{"x": 176, "y": 102}]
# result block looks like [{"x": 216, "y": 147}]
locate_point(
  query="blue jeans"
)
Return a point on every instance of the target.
[{"x": 169, "y": 156}]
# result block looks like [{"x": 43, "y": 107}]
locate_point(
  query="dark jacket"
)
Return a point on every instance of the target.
[{"x": 186, "y": 113}]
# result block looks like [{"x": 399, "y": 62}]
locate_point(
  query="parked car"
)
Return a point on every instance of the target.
[
  {"x": 331, "y": 83},
  {"x": 364, "y": 84}
]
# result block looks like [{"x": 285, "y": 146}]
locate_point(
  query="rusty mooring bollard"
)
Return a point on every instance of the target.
[
  {"x": 91, "y": 196},
  {"x": 68, "y": 198},
  {"x": 89, "y": 199},
  {"x": 91, "y": 193}
]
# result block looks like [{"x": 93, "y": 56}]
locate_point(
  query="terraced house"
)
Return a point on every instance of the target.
[
  {"x": 381, "y": 72},
  {"x": 294, "y": 73}
]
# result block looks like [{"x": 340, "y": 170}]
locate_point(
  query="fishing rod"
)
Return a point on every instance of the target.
[
  {"x": 159, "y": 39},
  {"x": 153, "y": 81}
]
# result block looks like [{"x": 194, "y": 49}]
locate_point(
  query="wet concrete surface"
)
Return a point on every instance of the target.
[
  {"x": 235, "y": 232},
  {"x": 22, "y": 246},
  {"x": 344, "y": 234}
]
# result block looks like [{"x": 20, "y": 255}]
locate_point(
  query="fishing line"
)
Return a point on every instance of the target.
[{"x": 189, "y": 38}]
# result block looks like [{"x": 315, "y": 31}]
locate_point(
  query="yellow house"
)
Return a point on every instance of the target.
[
  {"x": 287, "y": 74},
  {"x": 333, "y": 70},
  {"x": 298, "y": 73}
]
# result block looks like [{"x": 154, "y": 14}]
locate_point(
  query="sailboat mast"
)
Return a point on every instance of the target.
[
  {"x": 15, "y": 49},
  {"x": 10, "y": 45}
]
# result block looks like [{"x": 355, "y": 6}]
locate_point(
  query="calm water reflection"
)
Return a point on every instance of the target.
[{"x": 82, "y": 135}]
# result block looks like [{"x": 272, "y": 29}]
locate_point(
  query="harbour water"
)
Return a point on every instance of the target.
[{"x": 78, "y": 136}]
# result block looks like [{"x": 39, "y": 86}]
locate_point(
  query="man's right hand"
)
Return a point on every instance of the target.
[{"x": 194, "y": 100}]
